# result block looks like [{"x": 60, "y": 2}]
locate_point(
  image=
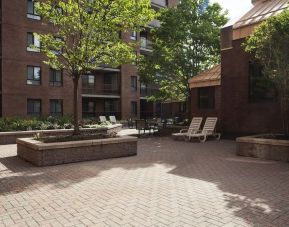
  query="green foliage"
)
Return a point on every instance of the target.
[
  {"x": 88, "y": 32},
  {"x": 187, "y": 43},
  {"x": 40, "y": 123},
  {"x": 269, "y": 45}
]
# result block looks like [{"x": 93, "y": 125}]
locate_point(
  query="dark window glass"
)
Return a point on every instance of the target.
[
  {"x": 133, "y": 108},
  {"x": 133, "y": 83},
  {"x": 56, "y": 78},
  {"x": 56, "y": 107},
  {"x": 34, "y": 107},
  {"x": 31, "y": 10},
  {"x": 88, "y": 80},
  {"x": 261, "y": 88},
  {"x": 32, "y": 40},
  {"x": 33, "y": 75},
  {"x": 206, "y": 97},
  {"x": 110, "y": 106}
]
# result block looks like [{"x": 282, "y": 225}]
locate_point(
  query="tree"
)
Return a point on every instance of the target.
[
  {"x": 187, "y": 43},
  {"x": 87, "y": 35},
  {"x": 269, "y": 44}
]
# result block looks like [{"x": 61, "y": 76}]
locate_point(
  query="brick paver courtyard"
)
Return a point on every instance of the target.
[{"x": 168, "y": 184}]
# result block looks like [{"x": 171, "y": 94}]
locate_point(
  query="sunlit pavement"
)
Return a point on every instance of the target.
[{"x": 169, "y": 183}]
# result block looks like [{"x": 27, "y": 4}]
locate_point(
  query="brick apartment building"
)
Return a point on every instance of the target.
[
  {"x": 31, "y": 88},
  {"x": 241, "y": 102}
]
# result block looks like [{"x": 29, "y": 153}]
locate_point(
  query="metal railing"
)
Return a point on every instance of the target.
[
  {"x": 96, "y": 115},
  {"x": 105, "y": 89}
]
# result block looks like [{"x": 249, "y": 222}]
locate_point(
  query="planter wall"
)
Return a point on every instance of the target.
[
  {"x": 10, "y": 137},
  {"x": 270, "y": 149},
  {"x": 48, "y": 154}
]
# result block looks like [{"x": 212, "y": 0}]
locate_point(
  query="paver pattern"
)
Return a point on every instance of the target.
[{"x": 169, "y": 183}]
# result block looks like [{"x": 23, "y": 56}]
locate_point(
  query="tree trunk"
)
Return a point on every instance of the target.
[
  {"x": 189, "y": 106},
  {"x": 75, "y": 105}
]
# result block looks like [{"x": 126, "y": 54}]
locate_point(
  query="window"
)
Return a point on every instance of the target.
[
  {"x": 34, "y": 107},
  {"x": 206, "y": 97},
  {"x": 110, "y": 106},
  {"x": 133, "y": 83},
  {"x": 31, "y": 12},
  {"x": 133, "y": 108},
  {"x": 133, "y": 35},
  {"x": 56, "y": 107},
  {"x": 88, "y": 80},
  {"x": 33, "y": 43},
  {"x": 33, "y": 75},
  {"x": 261, "y": 88},
  {"x": 56, "y": 78}
]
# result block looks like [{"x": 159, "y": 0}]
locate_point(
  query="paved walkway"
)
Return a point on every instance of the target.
[{"x": 168, "y": 184}]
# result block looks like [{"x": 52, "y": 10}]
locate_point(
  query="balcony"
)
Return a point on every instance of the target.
[
  {"x": 87, "y": 114},
  {"x": 102, "y": 91},
  {"x": 145, "y": 44},
  {"x": 104, "y": 67},
  {"x": 146, "y": 91},
  {"x": 159, "y": 3}
]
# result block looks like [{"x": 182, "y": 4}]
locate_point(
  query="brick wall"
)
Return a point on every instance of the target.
[
  {"x": 15, "y": 59},
  {"x": 197, "y": 112},
  {"x": 238, "y": 115}
]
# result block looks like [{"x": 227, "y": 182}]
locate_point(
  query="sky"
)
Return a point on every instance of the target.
[{"x": 236, "y": 8}]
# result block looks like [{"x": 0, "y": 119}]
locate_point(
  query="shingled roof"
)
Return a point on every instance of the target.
[
  {"x": 211, "y": 77},
  {"x": 261, "y": 11}
]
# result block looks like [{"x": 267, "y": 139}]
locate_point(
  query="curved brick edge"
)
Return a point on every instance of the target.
[
  {"x": 10, "y": 137},
  {"x": 270, "y": 149},
  {"x": 48, "y": 154}
]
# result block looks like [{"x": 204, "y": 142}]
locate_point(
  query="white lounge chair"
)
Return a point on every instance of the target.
[
  {"x": 194, "y": 128},
  {"x": 112, "y": 119},
  {"x": 209, "y": 129},
  {"x": 102, "y": 119}
]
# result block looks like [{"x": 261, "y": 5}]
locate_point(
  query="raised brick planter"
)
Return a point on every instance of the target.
[
  {"x": 48, "y": 154},
  {"x": 10, "y": 137},
  {"x": 270, "y": 149}
]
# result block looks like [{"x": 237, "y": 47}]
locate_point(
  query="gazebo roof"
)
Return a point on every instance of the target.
[{"x": 211, "y": 77}]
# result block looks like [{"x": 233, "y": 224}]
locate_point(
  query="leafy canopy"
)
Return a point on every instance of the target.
[
  {"x": 187, "y": 43},
  {"x": 87, "y": 33}
]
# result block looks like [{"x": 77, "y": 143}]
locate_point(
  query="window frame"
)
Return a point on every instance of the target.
[
  {"x": 253, "y": 98},
  {"x": 210, "y": 96},
  {"x": 52, "y": 78},
  {"x": 55, "y": 113},
  {"x": 133, "y": 83},
  {"x": 31, "y": 49},
  {"x": 34, "y": 15},
  {"x": 33, "y": 113},
  {"x": 27, "y": 75},
  {"x": 134, "y": 106}
]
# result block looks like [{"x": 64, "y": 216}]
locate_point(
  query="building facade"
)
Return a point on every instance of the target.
[
  {"x": 31, "y": 88},
  {"x": 242, "y": 101}
]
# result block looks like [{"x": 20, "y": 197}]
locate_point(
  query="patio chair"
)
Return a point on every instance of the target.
[
  {"x": 209, "y": 129},
  {"x": 102, "y": 119},
  {"x": 194, "y": 128},
  {"x": 112, "y": 119}
]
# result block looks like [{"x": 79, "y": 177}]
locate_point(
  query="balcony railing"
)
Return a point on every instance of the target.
[
  {"x": 105, "y": 89},
  {"x": 96, "y": 115},
  {"x": 145, "y": 43},
  {"x": 147, "y": 91},
  {"x": 159, "y": 3}
]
